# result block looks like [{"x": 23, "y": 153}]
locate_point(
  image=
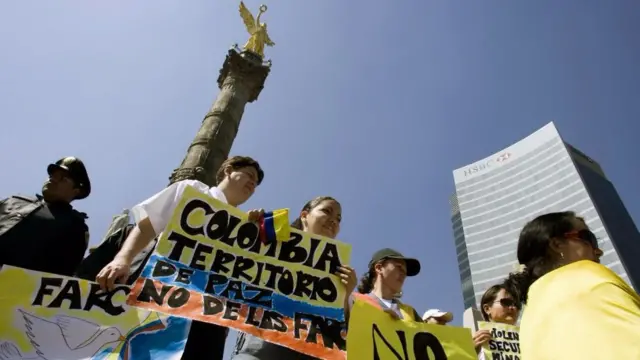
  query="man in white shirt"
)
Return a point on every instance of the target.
[{"x": 237, "y": 180}]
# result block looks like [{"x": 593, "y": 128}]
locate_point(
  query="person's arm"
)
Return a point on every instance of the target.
[
  {"x": 138, "y": 239},
  {"x": 348, "y": 305},
  {"x": 151, "y": 217},
  {"x": 349, "y": 279}
]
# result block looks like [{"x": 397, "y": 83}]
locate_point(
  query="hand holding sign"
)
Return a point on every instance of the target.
[
  {"x": 480, "y": 338},
  {"x": 115, "y": 272},
  {"x": 502, "y": 340},
  {"x": 214, "y": 263},
  {"x": 348, "y": 277},
  {"x": 255, "y": 215}
]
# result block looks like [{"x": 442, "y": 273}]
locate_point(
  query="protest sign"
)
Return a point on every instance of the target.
[
  {"x": 211, "y": 265},
  {"x": 47, "y": 316},
  {"x": 374, "y": 334},
  {"x": 504, "y": 343}
]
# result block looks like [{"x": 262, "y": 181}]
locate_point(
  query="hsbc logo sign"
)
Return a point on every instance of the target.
[
  {"x": 503, "y": 157},
  {"x": 487, "y": 164}
]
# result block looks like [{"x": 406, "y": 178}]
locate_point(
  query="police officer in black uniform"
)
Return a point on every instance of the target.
[{"x": 44, "y": 232}]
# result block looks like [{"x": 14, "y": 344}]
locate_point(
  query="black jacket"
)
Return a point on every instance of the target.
[{"x": 41, "y": 236}]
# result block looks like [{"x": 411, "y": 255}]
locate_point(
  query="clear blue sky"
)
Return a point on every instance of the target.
[{"x": 373, "y": 104}]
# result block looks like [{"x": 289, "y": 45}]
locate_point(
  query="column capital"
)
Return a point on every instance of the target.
[{"x": 247, "y": 67}]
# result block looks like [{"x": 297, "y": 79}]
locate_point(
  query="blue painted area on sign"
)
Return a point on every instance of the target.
[{"x": 282, "y": 304}]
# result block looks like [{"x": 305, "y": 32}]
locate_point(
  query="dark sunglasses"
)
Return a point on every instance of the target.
[
  {"x": 506, "y": 302},
  {"x": 585, "y": 235}
]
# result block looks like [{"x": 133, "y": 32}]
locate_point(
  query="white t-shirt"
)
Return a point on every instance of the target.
[
  {"x": 160, "y": 206},
  {"x": 390, "y": 304}
]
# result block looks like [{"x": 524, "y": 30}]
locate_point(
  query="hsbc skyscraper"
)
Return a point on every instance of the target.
[{"x": 541, "y": 173}]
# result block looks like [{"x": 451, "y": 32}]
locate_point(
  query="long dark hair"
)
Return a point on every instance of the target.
[
  {"x": 368, "y": 279},
  {"x": 489, "y": 297},
  {"x": 534, "y": 250},
  {"x": 310, "y": 205}
]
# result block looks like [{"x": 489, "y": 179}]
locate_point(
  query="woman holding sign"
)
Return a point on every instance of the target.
[
  {"x": 498, "y": 305},
  {"x": 321, "y": 216},
  {"x": 576, "y": 308}
]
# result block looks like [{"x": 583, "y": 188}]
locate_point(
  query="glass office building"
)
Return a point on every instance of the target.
[{"x": 541, "y": 173}]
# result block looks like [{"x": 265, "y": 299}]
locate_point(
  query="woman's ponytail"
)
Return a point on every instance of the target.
[
  {"x": 366, "y": 282},
  {"x": 518, "y": 283}
]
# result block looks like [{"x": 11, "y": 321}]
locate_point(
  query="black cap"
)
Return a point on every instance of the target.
[
  {"x": 413, "y": 265},
  {"x": 77, "y": 172}
]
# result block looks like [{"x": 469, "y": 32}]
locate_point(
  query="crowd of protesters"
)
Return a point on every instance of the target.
[{"x": 576, "y": 308}]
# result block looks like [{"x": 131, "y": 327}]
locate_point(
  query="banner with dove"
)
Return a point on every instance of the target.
[
  {"x": 47, "y": 317},
  {"x": 211, "y": 264}
]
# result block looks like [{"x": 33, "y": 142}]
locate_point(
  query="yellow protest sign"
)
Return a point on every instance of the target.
[
  {"x": 46, "y": 316},
  {"x": 373, "y": 334},
  {"x": 211, "y": 265},
  {"x": 504, "y": 343}
]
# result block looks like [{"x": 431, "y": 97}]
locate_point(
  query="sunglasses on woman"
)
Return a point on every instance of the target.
[
  {"x": 506, "y": 302},
  {"x": 585, "y": 235}
]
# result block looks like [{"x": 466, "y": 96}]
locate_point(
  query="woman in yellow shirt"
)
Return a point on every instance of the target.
[{"x": 576, "y": 308}]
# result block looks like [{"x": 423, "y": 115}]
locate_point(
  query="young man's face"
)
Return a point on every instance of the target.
[{"x": 240, "y": 184}]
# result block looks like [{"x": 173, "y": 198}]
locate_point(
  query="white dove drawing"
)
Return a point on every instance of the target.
[
  {"x": 66, "y": 337},
  {"x": 9, "y": 351}
]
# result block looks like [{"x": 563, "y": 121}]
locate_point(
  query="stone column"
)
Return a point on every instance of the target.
[{"x": 241, "y": 79}]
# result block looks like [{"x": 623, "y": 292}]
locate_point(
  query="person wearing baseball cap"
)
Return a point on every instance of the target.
[
  {"x": 381, "y": 286},
  {"x": 412, "y": 266},
  {"x": 44, "y": 232},
  {"x": 438, "y": 317}
]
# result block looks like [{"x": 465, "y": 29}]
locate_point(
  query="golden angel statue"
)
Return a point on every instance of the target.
[{"x": 257, "y": 30}]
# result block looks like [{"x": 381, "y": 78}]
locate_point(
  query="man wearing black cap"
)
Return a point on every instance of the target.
[{"x": 44, "y": 232}]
